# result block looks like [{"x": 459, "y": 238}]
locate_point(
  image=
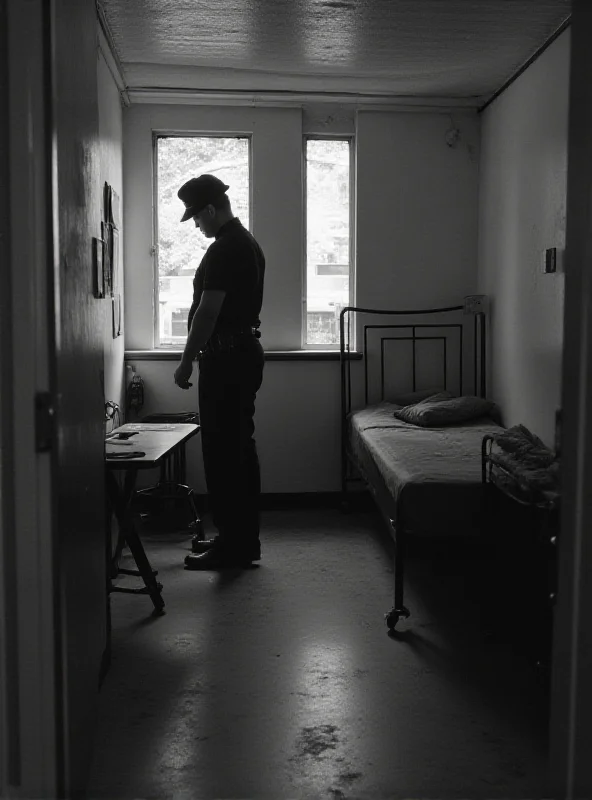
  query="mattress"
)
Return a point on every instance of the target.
[{"x": 432, "y": 476}]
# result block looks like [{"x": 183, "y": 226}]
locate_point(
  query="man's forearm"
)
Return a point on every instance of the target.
[{"x": 202, "y": 326}]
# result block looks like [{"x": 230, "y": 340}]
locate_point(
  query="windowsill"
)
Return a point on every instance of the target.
[{"x": 270, "y": 355}]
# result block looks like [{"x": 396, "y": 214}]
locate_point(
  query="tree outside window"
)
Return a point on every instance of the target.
[{"x": 181, "y": 246}]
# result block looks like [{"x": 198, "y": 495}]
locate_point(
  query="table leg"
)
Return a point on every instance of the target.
[
  {"x": 121, "y": 502},
  {"x": 125, "y": 498}
]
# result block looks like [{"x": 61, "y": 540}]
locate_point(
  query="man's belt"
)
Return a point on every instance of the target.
[{"x": 225, "y": 341}]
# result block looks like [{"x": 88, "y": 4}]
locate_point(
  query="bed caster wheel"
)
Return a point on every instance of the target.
[
  {"x": 391, "y": 620},
  {"x": 393, "y": 617}
]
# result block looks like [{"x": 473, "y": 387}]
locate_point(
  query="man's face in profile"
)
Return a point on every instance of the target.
[{"x": 204, "y": 220}]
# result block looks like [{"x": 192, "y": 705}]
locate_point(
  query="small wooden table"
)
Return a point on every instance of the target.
[{"x": 157, "y": 441}]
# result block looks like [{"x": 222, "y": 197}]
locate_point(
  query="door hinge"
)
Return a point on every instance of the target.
[{"x": 44, "y": 422}]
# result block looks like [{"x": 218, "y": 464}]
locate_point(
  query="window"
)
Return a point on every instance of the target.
[
  {"x": 180, "y": 247},
  {"x": 328, "y": 274}
]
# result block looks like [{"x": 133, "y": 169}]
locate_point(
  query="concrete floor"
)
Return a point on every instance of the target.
[{"x": 282, "y": 682}]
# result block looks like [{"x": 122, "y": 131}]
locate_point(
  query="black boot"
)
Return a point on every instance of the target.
[
  {"x": 219, "y": 557},
  {"x": 203, "y": 545}
]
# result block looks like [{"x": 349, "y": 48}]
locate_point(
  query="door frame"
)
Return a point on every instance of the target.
[{"x": 571, "y": 691}]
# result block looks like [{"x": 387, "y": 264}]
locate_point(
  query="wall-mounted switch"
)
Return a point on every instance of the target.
[{"x": 551, "y": 259}]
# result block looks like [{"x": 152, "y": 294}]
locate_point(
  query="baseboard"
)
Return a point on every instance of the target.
[{"x": 356, "y": 499}]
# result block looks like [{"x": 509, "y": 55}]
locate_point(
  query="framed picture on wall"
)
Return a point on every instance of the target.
[
  {"x": 107, "y": 199},
  {"x": 116, "y": 312},
  {"x": 114, "y": 219},
  {"x": 108, "y": 281},
  {"x": 115, "y": 266},
  {"x": 107, "y": 234},
  {"x": 98, "y": 264}
]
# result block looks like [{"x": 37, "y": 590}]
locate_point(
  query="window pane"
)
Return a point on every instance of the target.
[
  {"x": 327, "y": 237},
  {"x": 181, "y": 246}
]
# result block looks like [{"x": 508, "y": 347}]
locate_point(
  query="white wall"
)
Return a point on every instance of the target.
[
  {"x": 111, "y": 171},
  {"x": 416, "y": 243},
  {"x": 417, "y": 211},
  {"x": 522, "y": 211}
]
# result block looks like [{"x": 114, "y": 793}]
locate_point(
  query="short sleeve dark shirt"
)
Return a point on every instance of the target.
[{"x": 234, "y": 263}]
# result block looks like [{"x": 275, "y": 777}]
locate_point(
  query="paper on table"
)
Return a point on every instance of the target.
[{"x": 138, "y": 427}]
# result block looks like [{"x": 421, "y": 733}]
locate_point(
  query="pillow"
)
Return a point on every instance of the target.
[
  {"x": 443, "y": 409},
  {"x": 410, "y": 398}
]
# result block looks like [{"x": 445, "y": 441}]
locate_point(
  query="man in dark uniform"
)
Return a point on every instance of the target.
[{"x": 224, "y": 335}]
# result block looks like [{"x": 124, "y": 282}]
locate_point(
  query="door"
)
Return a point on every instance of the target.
[{"x": 79, "y": 362}]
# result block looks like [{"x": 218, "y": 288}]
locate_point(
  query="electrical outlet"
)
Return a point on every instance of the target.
[
  {"x": 550, "y": 259},
  {"x": 553, "y": 260},
  {"x": 475, "y": 304}
]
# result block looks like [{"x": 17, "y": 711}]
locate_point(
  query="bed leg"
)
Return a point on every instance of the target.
[{"x": 398, "y": 610}]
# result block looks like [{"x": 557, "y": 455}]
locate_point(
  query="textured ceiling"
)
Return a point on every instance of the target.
[{"x": 446, "y": 48}]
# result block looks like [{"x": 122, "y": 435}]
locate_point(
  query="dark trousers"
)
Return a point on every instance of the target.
[{"x": 228, "y": 384}]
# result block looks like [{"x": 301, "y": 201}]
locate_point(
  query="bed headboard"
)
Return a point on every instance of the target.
[{"x": 440, "y": 347}]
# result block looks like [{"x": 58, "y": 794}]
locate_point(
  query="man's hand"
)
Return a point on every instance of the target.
[{"x": 183, "y": 373}]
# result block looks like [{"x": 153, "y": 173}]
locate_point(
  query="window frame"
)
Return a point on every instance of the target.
[
  {"x": 350, "y": 138},
  {"x": 185, "y": 134}
]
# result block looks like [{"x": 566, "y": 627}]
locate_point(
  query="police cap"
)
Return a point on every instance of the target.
[{"x": 198, "y": 192}]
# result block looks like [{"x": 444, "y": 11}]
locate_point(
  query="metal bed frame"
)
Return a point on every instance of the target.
[{"x": 410, "y": 332}]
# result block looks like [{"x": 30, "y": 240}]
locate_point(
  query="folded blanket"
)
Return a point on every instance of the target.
[
  {"x": 525, "y": 446},
  {"x": 525, "y": 466}
]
